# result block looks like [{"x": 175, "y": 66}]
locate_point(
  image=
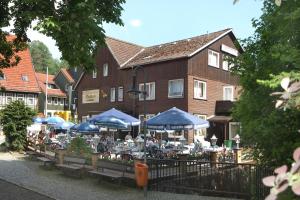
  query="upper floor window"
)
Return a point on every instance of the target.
[
  {"x": 51, "y": 86},
  {"x": 2, "y": 76},
  {"x": 20, "y": 97},
  {"x": 24, "y": 78},
  {"x": 213, "y": 58},
  {"x": 112, "y": 94},
  {"x": 95, "y": 73},
  {"x": 228, "y": 93},
  {"x": 120, "y": 94},
  {"x": 175, "y": 88},
  {"x": 199, "y": 89},
  {"x": 105, "y": 69},
  {"x": 150, "y": 91}
]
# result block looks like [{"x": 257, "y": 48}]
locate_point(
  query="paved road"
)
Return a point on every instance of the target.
[{"x": 10, "y": 191}]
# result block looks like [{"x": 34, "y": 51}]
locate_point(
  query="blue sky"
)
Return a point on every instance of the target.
[{"x": 150, "y": 22}]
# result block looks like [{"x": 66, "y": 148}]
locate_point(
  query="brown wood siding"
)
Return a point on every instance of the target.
[
  {"x": 215, "y": 78},
  {"x": 159, "y": 73}
]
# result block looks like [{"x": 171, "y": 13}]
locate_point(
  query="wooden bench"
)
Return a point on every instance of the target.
[
  {"x": 73, "y": 166},
  {"x": 47, "y": 162},
  {"x": 109, "y": 169}
]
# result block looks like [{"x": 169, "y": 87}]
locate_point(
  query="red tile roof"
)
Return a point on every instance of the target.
[
  {"x": 121, "y": 50},
  {"x": 42, "y": 83},
  {"x": 68, "y": 76},
  {"x": 13, "y": 75},
  {"x": 176, "y": 49}
]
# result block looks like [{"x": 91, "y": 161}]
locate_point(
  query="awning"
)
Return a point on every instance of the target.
[{"x": 220, "y": 119}]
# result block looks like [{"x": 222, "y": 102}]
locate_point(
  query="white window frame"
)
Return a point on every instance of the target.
[
  {"x": 105, "y": 69},
  {"x": 230, "y": 135},
  {"x": 30, "y": 96},
  {"x": 149, "y": 95},
  {"x": 232, "y": 94},
  {"x": 203, "y": 92},
  {"x": 211, "y": 52},
  {"x": 120, "y": 97},
  {"x": 49, "y": 100},
  {"x": 112, "y": 94},
  {"x": 61, "y": 101},
  {"x": 94, "y": 73},
  {"x": 20, "y": 97},
  {"x": 9, "y": 95},
  {"x": 24, "y": 77},
  {"x": 225, "y": 62},
  {"x": 169, "y": 89},
  {"x": 55, "y": 101}
]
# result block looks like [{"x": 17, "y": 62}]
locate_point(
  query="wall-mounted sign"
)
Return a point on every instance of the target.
[
  {"x": 229, "y": 50},
  {"x": 90, "y": 96}
]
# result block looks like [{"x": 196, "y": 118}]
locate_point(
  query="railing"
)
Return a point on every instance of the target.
[{"x": 208, "y": 178}]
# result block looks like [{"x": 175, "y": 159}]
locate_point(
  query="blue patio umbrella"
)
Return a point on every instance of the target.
[
  {"x": 54, "y": 120},
  {"x": 116, "y": 116},
  {"x": 38, "y": 120},
  {"x": 175, "y": 119},
  {"x": 64, "y": 125},
  {"x": 74, "y": 128},
  {"x": 87, "y": 127},
  {"x": 110, "y": 122}
]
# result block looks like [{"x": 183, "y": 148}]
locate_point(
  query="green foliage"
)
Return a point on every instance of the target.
[
  {"x": 79, "y": 147},
  {"x": 76, "y": 26},
  {"x": 272, "y": 53},
  {"x": 42, "y": 58},
  {"x": 14, "y": 119}
]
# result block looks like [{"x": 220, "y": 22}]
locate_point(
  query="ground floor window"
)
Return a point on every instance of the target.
[{"x": 201, "y": 132}]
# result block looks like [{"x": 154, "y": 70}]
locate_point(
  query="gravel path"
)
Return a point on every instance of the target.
[{"x": 14, "y": 168}]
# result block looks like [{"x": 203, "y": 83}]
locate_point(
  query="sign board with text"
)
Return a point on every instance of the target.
[{"x": 90, "y": 96}]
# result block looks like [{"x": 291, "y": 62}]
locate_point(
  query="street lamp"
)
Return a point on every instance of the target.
[
  {"x": 96, "y": 140},
  {"x": 134, "y": 93},
  {"x": 214, "y": 140},
  {"x": 237, "y": 140}
]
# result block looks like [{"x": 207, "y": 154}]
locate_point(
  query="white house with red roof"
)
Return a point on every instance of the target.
[{"x": 20, "y": 82}]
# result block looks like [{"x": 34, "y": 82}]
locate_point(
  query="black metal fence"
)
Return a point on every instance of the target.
[{"x": 208, "y": 179}]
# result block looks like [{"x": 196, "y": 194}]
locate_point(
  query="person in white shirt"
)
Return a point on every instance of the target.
[{"x": 128, "y": 137}]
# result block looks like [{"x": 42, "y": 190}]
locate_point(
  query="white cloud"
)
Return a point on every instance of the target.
[{"x": 135, "y": 23}]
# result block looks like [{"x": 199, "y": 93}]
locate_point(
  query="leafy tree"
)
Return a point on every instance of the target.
[
  {"x": 42, "y": 58},
  {"x": 272, "y": 53},
  {"x": 75, "y": 25},
  {"x": 14, "y": 119}
]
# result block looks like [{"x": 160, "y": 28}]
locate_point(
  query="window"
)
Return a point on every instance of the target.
[
  {"x": 2, "y": 98},
  {"x": 234, "y": 129},
  {"x": 199, "y": 89},
  {"x": 213, "y": 58},
  {"x": 66, "y": 87},
  {"x": 94, "y": 73},
  {"x": 49, "y": 100},
  {"x": 105, "y": 69},
  {"x": 20, "y": 97},
  {"x": 24, "y": 78},
  {"x": 228, "y": 93},
  {"x": 9, "y": 98},
  {"x": 2, "y": 77},
  {"x": 54, "y": 99},
  {"x": 30, "y": 99},
  {"x": 112, "y": 94},
  {"x": 175, "y": 89},
  {"x": 120, "y": 94},
  {"x": 60, "y": 101},
  {"x": 150, "y": 91},
  {"x": 200, "y": 132},
  {"x": 51, "y": 86}
]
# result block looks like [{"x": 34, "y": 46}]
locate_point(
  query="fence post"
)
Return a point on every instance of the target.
[
  {"x": 213, "y": 158},
  {"x": 61, "y": 155},
  {"x": 237, "y": 155},
  {"x": 94, "y": 160}
]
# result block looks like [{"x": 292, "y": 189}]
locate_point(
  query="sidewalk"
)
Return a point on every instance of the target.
[{"x": 15, "y": 169}]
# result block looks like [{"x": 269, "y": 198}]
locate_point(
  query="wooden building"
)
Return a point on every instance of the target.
[{"x": 190, "y": 74}]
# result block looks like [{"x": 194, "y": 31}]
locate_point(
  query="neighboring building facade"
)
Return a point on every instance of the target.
[
  {"x": 66, "y": 80},
  {"x": 56, "y": 98},
  {"x": 190, "y": 74},
  {"x": 19, "y": 82}
]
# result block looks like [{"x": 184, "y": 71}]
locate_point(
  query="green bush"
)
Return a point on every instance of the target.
[
  {"x": 15, "y": 118},
  {"x": 79, "y": 147}
]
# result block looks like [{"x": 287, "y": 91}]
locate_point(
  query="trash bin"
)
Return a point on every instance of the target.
[
  {"x": 141, "y": 174},
  {"x": 228, "y": 143}
]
